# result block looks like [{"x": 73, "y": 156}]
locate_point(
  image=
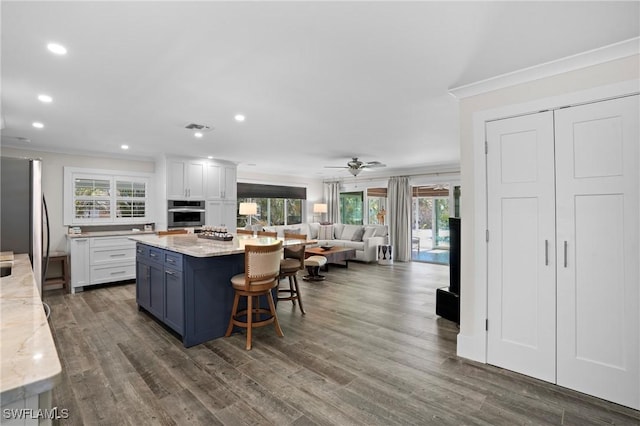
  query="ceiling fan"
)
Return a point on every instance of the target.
[{"x": 355, "y": 166}]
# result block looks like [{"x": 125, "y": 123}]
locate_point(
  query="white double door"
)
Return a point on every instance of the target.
[{"x": 563, "y": 249}]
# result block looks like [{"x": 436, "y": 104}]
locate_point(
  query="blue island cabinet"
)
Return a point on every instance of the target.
[{"x": 191, "y": 295}]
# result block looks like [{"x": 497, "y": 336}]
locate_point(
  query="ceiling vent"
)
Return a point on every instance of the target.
[{"x": 200, "y": 127}]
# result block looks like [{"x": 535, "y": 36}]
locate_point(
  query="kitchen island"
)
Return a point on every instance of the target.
[{"x": 184, "y": 281}]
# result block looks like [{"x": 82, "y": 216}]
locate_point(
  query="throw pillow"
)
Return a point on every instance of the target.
[
  {"x": 325, "y": 232},
  {"x": 357, "y": 236},
  {"x": 369, "y": 231},
  {"x": 291, "y": 230},
  {"x": 314, "y": 228}
]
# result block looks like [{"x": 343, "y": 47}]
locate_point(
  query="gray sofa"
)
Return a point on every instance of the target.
[{"x": 363, "y": 238}]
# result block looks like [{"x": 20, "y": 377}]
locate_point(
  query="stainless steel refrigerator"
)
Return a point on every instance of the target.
[{"x": 23, "y": 218}]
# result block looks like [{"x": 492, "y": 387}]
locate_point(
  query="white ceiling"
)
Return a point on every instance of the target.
[{"x": 319, "y": 82}]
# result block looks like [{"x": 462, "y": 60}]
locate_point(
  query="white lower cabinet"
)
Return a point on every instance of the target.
[
  {"x": 563, "y": 247},
  {"x": 99, "y": 260}
]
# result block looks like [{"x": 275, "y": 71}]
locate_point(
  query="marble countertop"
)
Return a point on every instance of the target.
[
  {"x": 109, "y": 233},
  {"x": 29, "y": 361},
  {"x": 191, "y": 245}
]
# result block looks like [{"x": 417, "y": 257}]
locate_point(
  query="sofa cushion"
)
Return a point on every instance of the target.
[
  {"x": 337, "y": 231},
  {"x": 369, "y": 231},
  {"x": 348, "y": 231},
  {"x": 381, "y": 230},
  {"x": 358, "y": 245},
  {"x": 357, "y": 236},
  {"x": 325, "y": 232}
]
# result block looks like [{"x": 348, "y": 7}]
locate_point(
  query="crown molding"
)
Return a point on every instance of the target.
[{"x": 597, "y": 56}]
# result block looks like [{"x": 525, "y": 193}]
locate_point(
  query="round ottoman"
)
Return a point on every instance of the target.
[{"x": 313, "y": 264}]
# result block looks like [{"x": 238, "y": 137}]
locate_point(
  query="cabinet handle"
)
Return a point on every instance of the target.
[
  {"x": 118, "y": 272},
  {"x": 169, "y": 272},
  {"x": 546, "y": 252},
  {"x": 565, "y": 254},
  {"x": 153, "y": 255},
  {"x": 171, "y": 261},
  {"x": 117, "y": 255}
]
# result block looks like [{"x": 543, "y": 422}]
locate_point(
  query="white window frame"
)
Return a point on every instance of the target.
[{"x": 113, "y": 176}]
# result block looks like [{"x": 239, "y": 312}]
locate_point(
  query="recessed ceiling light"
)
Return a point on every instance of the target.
[
  {"x": 45, "y": 98},
  {"x": 210, "y": 157},
  {"x": 198, "y": 134},
  {"x": 56, "y": 48},
  {"x": 124, "y": 146},
  {"x": 37, "y": 125},
  {"x": 239, "y": 117}
]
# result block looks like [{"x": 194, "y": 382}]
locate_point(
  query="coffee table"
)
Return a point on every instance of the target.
[{"x": 335, "y": 255}]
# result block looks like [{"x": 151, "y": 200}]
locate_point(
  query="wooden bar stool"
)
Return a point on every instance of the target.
[
  {"x": 63, "y": 258},
  {"x": 289, "y": 266},
  {"x": 261, "y": 272}
]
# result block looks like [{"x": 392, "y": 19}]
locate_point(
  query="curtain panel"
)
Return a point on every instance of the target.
[
  {"x": 399, "y": 212},
  {"x": 332, "y": 190}
]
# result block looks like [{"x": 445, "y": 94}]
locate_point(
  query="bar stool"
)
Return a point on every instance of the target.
[
  {"x": 289, "y": 266},
  {"x": 261, "y": 272},
  {"x": 267, "y": 234},
  {"x": 63, "y": 258}
]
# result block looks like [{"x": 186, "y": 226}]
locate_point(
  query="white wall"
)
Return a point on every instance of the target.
[
  {"x": 471, "y": 340},
  {"x": 52, "y": 181},
  {"x": 314, "y": 187}
]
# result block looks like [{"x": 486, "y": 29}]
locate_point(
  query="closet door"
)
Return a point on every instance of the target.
[
  {"x": 598, "y": 273},
  {"x": 521, "y": 253}
]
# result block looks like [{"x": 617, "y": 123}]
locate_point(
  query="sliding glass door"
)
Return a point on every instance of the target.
[{"x": 430, "y": 224}]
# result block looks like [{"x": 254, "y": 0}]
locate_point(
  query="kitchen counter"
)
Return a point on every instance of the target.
[
  {"x": 192, "y": 245},
  {"x": 108, "y": 233},
  {"x": 30, "y": 364}
]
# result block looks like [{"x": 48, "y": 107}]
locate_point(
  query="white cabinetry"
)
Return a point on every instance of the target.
[
  {"x": 222, "y": 212},
  {"x": 563, "y": 204},
  {"x": 186, "y": 179},
  {"x": 221, "y": 181},
  {"x": 80, "y": 264},
  {"x": 221, "y": 195},
  {"x": 98, "y": 260}
]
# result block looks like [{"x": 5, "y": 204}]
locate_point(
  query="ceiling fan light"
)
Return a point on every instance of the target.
[{"x": 355, "y": 172}]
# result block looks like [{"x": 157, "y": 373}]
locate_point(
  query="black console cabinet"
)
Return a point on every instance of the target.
[{"x": 448, "y": 298}]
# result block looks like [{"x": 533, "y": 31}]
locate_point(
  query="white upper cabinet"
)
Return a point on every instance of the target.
[
  {"x": 221, "y": 181},
  {"x": 186, "y": 179}
]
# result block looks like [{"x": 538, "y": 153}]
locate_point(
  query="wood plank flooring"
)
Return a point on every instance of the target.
[{"x": 370, "y": 351}]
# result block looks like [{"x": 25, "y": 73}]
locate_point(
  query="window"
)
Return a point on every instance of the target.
[
  {"x": 377, "y": 202},
  {"x": 131, "y": 199},
  {"x": 92, "y": 198},
  {"x": 102, "y": 197},
  {"x": 277, "y": 205},
  {"x": 351, "y": 205},
  {"x": 272, "y": 211}
]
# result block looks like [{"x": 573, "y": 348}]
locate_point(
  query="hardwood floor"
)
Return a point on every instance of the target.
[{"x": 369, "y": 351}]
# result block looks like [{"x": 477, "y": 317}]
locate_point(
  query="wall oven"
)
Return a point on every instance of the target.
[{"x": 185, "y": 213}]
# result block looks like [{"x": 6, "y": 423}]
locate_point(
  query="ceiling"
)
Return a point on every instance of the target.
[{"x": 318, "y": 82}]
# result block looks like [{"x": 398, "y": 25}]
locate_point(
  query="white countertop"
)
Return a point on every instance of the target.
[
  {"x": 109, "y": 233},
  {"x": 29, "y": 361},
  {"x": 191, "y": 245}
]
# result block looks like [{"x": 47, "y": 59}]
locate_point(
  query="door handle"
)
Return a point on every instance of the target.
[
  {"x": 546, "y": 252},
  {"x": 565, "y": 253}
]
